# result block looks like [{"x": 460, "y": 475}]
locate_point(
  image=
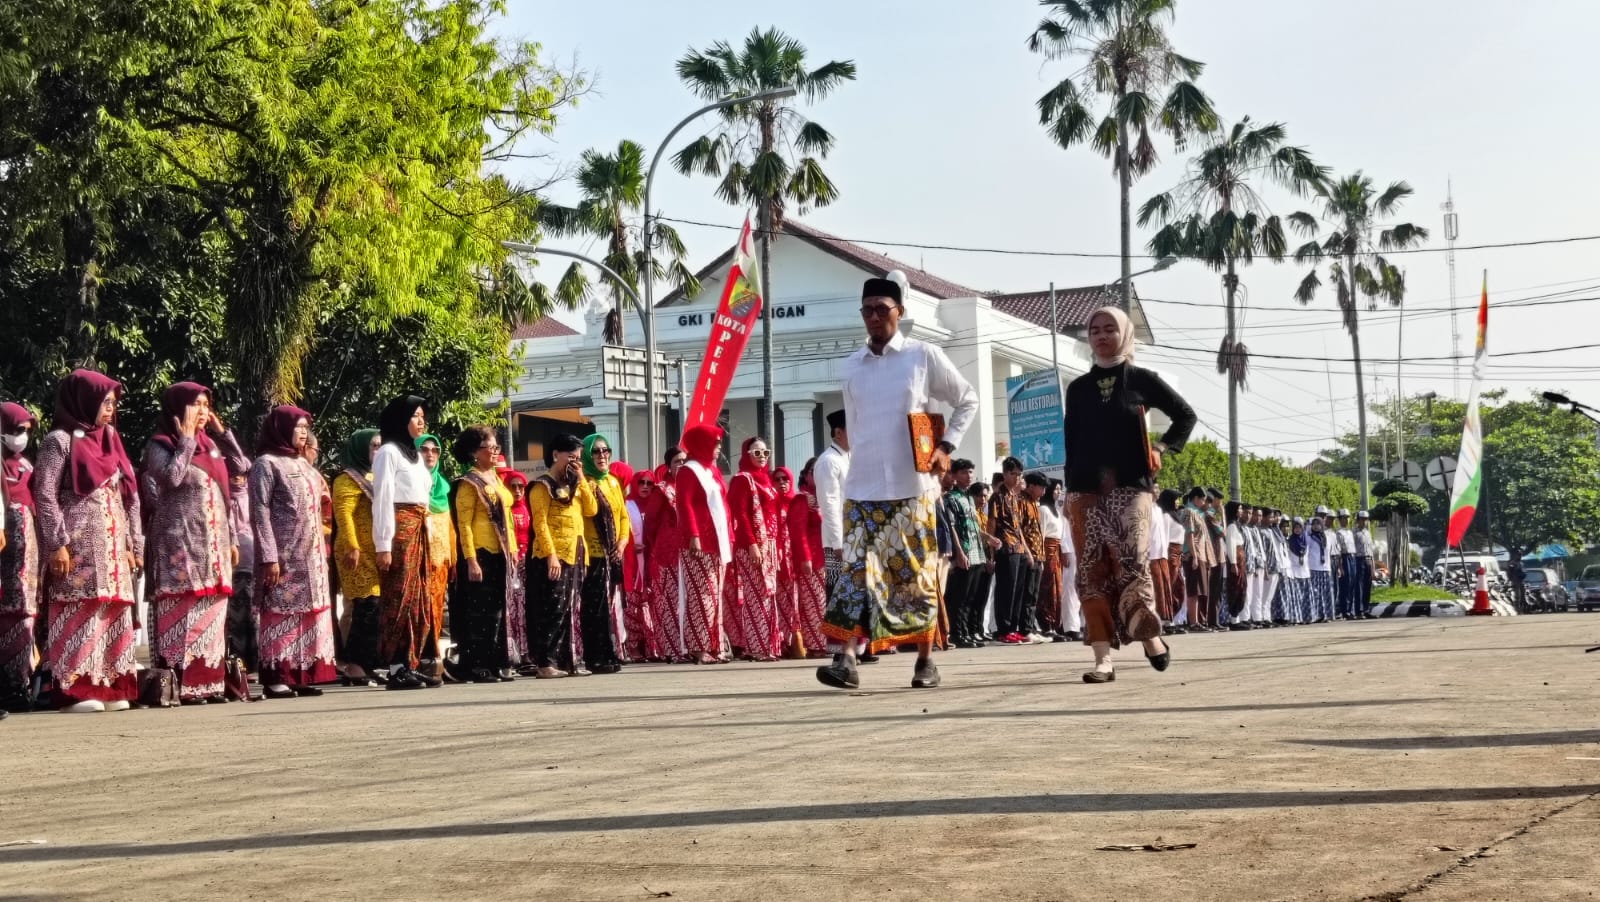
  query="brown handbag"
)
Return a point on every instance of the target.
[
  {"x": 158, "y": 688},
  {"x": 236, "y": 682}
]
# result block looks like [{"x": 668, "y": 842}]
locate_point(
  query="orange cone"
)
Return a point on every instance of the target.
[{"x": 1480, "y": 596}]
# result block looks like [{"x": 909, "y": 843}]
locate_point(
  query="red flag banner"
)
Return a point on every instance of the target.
[{"x": 730, "y": 332}]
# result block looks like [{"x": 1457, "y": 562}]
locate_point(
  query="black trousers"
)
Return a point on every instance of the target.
[
  {"x": 361, "y": 648},
  {"x": 599, "y": 644},
  {"x": 1010, "y": 592},
  {"x": 478, "y": 614},
  {"x": 1029, "y": 618},
  {"x": 957, "y": 602},
  {"x": 978, "y": 601},
  {"x": 241, "y": 636}
]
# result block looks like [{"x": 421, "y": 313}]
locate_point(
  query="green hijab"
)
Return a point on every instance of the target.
[
  {"x": 358, "y": 450},
  {"x": 589, "y": 468},
  {"x": 439, "y": 499}
]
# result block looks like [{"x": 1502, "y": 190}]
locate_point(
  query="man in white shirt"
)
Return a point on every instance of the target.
[
  {"x": 887, "y": 593},
  {"x": 1366, "y": 553},
  {"x": 1344, "y": 566}
]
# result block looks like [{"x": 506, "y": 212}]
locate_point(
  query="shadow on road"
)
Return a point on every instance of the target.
[
  {"x": 1487, "y": 740},
  {"x": 1084, "y": 803}
]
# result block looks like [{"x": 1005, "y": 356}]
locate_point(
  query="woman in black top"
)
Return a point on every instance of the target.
[{"x": 1111, "y": 465}]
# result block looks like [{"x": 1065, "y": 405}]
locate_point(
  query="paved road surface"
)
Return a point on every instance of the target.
[{"x": 1427, "y": 760}]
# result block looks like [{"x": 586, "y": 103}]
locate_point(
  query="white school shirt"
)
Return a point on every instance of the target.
[
  {"x": 1300, "y": 565},
  {"x": 1233, "y": 541},
  {"x": 1347, "y": 541},
  {"x": 1049, "y": 523},
  {"x": 1317, "y": 554},
  {"x": 829, "y": 473},
  {"x": 395, "y": 480},
  {"x": 880, "y": 391},
  {"x": 1364, "y": 544},
  {"x": 1176, "y": 531}
]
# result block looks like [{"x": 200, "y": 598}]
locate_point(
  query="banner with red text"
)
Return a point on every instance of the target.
[{"x": 731, "y": 327}]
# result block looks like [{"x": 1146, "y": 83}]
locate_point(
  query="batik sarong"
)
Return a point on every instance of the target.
[
  {"x": 888, "y": 592},
  {"x": 1111, "y": 534},
  {"x": 191, "y": 636},
  {"x": 702, "y": 603},
  {"x": 406, "y": 628}
]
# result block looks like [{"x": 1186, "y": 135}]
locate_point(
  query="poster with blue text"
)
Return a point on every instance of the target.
[{"x": 1033, "y": 408}]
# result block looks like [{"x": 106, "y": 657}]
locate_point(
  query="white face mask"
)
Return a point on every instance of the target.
[{"x": 16, "y": 444}]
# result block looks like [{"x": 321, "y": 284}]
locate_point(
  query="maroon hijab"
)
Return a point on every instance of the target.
[
  {"x": 19, "y": 488},
  {"x": 97, "y": 452},
  {"x": 277, "y": 431},
  {"x": 174, "y": 401}
]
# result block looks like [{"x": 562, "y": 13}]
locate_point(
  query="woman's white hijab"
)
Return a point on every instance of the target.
[{"x": 1124, "y": 352}]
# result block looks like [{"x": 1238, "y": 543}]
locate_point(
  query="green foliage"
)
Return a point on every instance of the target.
[
  {"x": 1389, "y": 594},
  {"x": 1541, "y": 469},
  {"x": 1389, "y": 486},
  {"x": 1266, "y": 481},
  {"x": 289, "y": 201},
  {"x": 1404, "y": 503}
]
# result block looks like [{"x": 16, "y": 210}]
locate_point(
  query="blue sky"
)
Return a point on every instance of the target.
[{"x": 939, "y": 143}]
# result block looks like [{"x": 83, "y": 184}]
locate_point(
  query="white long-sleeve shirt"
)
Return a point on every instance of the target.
[
  {"x": 880, "y": 391},
  {"x": 829, "y": 474},
  {"x": 395, "y": 480},
  {"x": 1158, "y": 532},
  {"x": 1049, "y": 523}
]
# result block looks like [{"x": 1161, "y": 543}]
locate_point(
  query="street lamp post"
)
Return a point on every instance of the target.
[
  {"x": 648, "y": 311},
  {"x": 650, "y": 358}
]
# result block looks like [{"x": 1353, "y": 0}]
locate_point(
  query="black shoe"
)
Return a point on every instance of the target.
[
  {"x": 404, "y": 679},
  {"x": 481, "y": 675},
  {"x": 269, "y": 692},
  {"x": 429, "y": 682},
  {"x": 606, "y": 668},
  {"x": 1239, "y": 627},
  {"x": 217, "y": 699},
  {"x": 506, "y": 675},
  {"x": 926, "y": 676},
  {"x": 1074, "y": 636},
  {"x": 1161, "y": 661},
  {"x": 191, "y": 702},
  {"x": 1058, "y": 637},
  {"x": 839, "y": 674},
  {"x": 307, "y": 691},
  {"x": 1095, "y": 676},
  {"x": 868, "y": 658}
]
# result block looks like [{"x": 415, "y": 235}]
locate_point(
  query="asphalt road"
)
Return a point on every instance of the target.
[{"x": 1423, "y": 759}]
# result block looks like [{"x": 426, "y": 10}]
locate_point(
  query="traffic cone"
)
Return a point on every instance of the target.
[{"x": 1480, "y": 596}]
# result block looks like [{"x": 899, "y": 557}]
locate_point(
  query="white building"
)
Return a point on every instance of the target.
[{"x": 816, "y": 324}]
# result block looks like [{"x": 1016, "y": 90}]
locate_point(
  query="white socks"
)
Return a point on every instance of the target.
[{"x": 1102, "y": 657}]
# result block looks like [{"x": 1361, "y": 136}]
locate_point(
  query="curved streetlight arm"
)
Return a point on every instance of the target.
[
  {"x": 533, "y": 249},
  {"x": 645, "y": 239}
]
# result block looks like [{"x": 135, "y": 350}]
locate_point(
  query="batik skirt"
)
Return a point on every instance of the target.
[
  {"x": 665, "y": 598},
  {"x": 191, "y": 636},
  {"x": 702, "y": 603},
  {"x": 90, "y": 652},
  {"x": 407, "y": 626},
  {"x": 1321, "y": 595},
  {"x": 752, "y": 604},
  {"x": 1049, "y": 610},
  {"x": 19, "y": 606},
  {"x": 811, "y": 596},
  {"x": 1112, "y": 535},
  {"x": 297, "y": 648},
  {"x": 554, "y": 635},
  {"x": 887, "y": 593}
]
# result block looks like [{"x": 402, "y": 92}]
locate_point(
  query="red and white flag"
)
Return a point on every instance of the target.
[{"x": 735, "y": 319}]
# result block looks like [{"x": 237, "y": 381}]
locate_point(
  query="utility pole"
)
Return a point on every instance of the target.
[{"x": 1452, "y": 230}]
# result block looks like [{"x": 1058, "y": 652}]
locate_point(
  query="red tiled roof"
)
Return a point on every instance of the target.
[
  {"x": 868, "y": 261},
  {"x": 1074, "y": 306},
  {"x": 543, "y": 327}
]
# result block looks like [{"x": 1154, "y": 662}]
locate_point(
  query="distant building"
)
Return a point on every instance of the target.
[{"x": 816, "y": 324}]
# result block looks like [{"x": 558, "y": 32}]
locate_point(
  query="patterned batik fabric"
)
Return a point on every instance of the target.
[
  {"x": 811, "y": 595},
  {"x": 190, "y": 533},
  {"x": 90, "y": 652},
  {"x": 191, "y": 636},
  {"x": 517, "y": 651},
  {"x": 702, "y": 603},
  {"x": 1321, "y": 595},
  {"x": 1111, "y": 534},
  {"x": 296, "y": 648},
  {"x": 752, "y": 595},
  {"x": 1049, "y": 610},
  {"x": 888, "y": 592},
  {"x": 639, "y": 625},
  {"x": 407, "y": 625},
  {"x": 665, "y": 598},
  {"x": 19, "y": 603}
]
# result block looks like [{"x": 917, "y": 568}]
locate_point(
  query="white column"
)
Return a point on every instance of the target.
[{"x": 799, "y": 433}]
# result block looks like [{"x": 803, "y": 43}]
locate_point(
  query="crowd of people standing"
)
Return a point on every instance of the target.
[{"x": 394, "y": 575}]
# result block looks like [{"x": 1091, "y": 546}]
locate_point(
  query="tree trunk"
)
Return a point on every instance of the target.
[
  {"x": 81, "y": 289},
  {"x": 1400, "y": 549},
  {"x": 1125, "y": 190},
  {"x": 765, "y": 421},
  {"x": 1361, "y": 387},
  {"x": 1235, "y": 482}
]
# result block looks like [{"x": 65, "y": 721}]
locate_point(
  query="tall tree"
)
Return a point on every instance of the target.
[
  {"x": 612, "y": 188},
  {"x": 1128, "y": 61},
  {"x": 765, "y": 153},
  {"x": 1354, "y": 210},
  {"x": 1217, "y": 215}
]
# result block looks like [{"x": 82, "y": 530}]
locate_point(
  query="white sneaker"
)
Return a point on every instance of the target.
[
  {"x": 1036, "y": 639},
  {"x": 89, "y": 707},
  {"x": 119, "y": 706}
]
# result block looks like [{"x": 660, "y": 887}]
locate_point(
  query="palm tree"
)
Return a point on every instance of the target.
[
  {"x": 1128, "y": 60},
  {"x": 1352, "y": 207},
  {"x": 1216, "y": 215},
  {"x": 612, "y": 188},
  {"x": 765, "y": 153}
]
